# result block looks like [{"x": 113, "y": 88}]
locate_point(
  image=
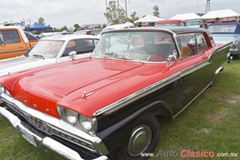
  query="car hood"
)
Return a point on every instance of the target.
[
  {"x": 14, "y": 65},
  {"x": 84, "y": 86}
]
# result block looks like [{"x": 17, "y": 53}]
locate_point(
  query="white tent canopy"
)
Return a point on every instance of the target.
[
  {"x": 227, "y": 13},
  {"x": 186, "y": 16},
  {"x": 149, "y": 18}
]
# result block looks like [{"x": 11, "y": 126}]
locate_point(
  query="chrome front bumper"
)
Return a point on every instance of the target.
[{"x": 46, "y": 141}]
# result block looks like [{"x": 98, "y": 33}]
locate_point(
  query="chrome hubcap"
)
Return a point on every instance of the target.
[{"x": 139, "y": 140}]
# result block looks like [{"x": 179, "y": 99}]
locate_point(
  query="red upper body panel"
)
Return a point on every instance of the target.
[{"x": 88, "y": 85}]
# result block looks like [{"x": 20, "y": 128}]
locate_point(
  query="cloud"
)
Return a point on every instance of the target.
[{"x": 59, "y": 13}]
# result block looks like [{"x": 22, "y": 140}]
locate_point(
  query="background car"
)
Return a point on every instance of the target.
[
  {"x": 170, "y": 22},
  {"x": 224, "y": 32},
  {"x": 88, "y": 32},
  {"x": 235, "y": 48},
  {"x": 117, "y": 26},
  {"x": 15, "y": 42},
  {"x": 50, "y": 50}
]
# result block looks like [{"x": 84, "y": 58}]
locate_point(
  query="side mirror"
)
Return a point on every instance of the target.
[
  {"x": 72, "y": 54},
  {"x": 171, "y": 60}
]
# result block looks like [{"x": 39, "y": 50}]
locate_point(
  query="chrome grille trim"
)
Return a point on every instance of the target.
[
  {"x": 53, "y": 126},
  {"x": 46, "y": 128}
]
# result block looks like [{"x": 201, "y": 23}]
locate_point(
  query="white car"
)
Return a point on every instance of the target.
[
  {"x": 50, "y": 50},
  {"x": 117, "y": 26}
]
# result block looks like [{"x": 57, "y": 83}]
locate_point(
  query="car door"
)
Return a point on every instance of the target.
[
  {"x": 193, "y": 65},
  {"x": 12, "y": 44}
]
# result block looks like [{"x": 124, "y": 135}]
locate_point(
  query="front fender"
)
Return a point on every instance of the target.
[{"x": 116, "y": 136}]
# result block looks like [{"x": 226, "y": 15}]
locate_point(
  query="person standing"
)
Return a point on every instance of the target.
[
  {"x": 217, "y": 20},
  {"x": 204, "y": 24}
]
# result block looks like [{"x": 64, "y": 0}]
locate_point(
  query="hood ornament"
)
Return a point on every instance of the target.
[{"x": 85, "y": 94}]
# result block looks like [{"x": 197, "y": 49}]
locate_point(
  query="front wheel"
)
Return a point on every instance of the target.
[{"x": 144, "y": 138}]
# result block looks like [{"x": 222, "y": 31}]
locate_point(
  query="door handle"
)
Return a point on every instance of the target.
[{"x": 204, "y": 56}]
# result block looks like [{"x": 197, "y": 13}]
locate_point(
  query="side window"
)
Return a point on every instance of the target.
[
  {"x": 187, "y": 44},
  {"x": 10, "y": 37},
  {"x": 30, "y": 37},
  {"x": 201, "y": 43},
  {"x": 191, "y": 44},
  {"x": 1, "y": 38},
  {"x": 84, "y": 45},
  {"x": 80, "y": 46}
]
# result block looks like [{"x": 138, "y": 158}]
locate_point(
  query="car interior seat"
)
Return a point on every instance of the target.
[{"x": 186, "y": 51}]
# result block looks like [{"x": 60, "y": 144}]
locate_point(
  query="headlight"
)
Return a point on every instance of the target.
[
  {"x": 88, "y": 125},
  {"x": 3, "y": 90},
  {"x": 71, "y": 116}
]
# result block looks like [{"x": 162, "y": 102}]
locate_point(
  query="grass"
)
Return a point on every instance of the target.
[{"x": 209, "y": 124}]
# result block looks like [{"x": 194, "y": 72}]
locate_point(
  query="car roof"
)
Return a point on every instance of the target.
[
  {"x": 173, "y": 29},
  {"x": 69, "y": 37},
  {"x": 169, "y": 21}
]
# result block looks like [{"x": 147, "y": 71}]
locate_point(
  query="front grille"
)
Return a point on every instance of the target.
[{"x": 47, "y": 128}]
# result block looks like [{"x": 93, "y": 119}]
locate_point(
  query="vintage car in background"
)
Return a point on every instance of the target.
[
  {"x": 88, "y": 32},
  {"x": 106, "y": 106},
  {"x": 50, "y": 50},
  {"x": 194, "y": 23},
  {"x": 117, "y": 26},
  {"x": 224, "y": 32},
  {"x": 15, "y": 42},
  {"x": 235, "y": 48},
  {"x": 170, "y": 22}
]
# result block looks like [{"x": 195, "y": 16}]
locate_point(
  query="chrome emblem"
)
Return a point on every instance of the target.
[{"x": 85, "y": 94}]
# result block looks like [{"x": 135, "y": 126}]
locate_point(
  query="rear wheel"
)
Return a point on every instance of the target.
[{"x": 144, "y": 138}]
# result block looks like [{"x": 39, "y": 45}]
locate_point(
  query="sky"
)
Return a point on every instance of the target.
[{"x": 60, "y": 13}]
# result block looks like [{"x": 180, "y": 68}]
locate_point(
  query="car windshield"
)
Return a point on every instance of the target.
[
  {"x": 224, "y": 38},
  {"x": 222, "y": 28},
  {"x": 138, "y": 46},
  {"x": 194, "y": 23},
  {"x": 46, "y": 49},
  {"x": 169, "y": 24}
]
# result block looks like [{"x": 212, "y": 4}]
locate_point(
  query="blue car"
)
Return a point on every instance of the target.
[{"x": 227, "y": 33}]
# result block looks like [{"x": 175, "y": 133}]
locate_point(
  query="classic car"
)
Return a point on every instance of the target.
[
  {"x": 117, "y": 26},
  {"x": 170, "y": 22},
  {"x": 107, "y": 106},
  {"x": 224, "y": 32},
  {"x": 235, "y": 48},
  {"x": 88, "y": 32},
  {"x": 14, "y": 41},
  {"x": 50, "y": 50}
]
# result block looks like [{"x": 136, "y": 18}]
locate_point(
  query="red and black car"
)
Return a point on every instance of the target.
[{"x": 106, "y": 106}]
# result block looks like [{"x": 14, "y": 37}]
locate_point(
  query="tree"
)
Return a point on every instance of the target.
[
  {"x": 133, "y": 17},
  {"x": 64, "y": 28},
  {"x": 114, "y": 14},
  {"x": 156, "y": 11},
  {"x": 76, "y": 27},
  {"x": 41, "y": 21}
]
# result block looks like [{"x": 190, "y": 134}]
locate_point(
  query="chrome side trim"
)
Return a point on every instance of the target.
[
  {"x": 150, "y": 89},
  {"x": 194, "y": 68},
  {"x": 139, "y": 94},
  {"x": 192, "y": 100},
  {"x": 46, "y": 141}
]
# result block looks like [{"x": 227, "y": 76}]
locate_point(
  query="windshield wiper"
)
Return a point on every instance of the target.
[{"x": 38, "y": 56}]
